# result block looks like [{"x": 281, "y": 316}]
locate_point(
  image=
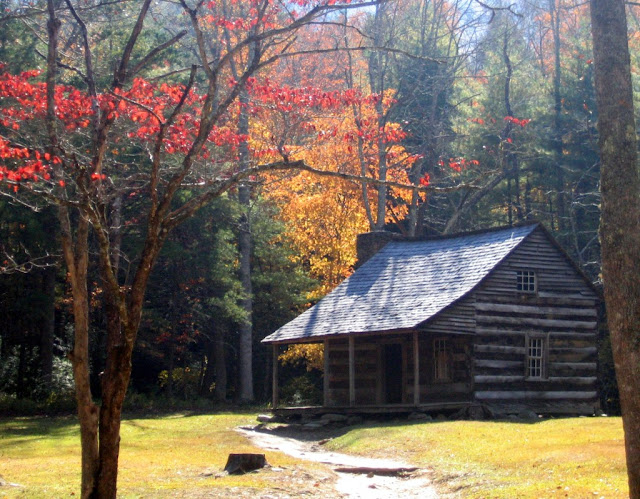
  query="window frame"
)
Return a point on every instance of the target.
[
  {"x": 444, "y": 361},
  {"x": 526, "y": 281},
  {"x": 542, "y": 343}
]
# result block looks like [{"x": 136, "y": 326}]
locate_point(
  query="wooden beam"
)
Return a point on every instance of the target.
[
  {"x": 416, "y": 369},
  {"x": 535, "y": 309},
  {"x": 508, "y": 395},
  {"x": 478, "y": 378},
  {"x": 575, "y": 365},
  {"x": 573, "y": 350},
  {"x": 274, "y": 379},
  {"x": 493, "y": 331},
  {"x": 575, "y": 380},
  {"x": 352, "y": 371},
  {"x": 500, "y": 349},
  {"x": 498, "y": 364},
  {"x": 554, "y": 300},
  {"x": 325, "y": 381},
  {"x": 529, "y": 321}
]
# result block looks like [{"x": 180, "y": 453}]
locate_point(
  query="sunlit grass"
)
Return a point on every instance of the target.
[
  {"x": 170, "y": 456},
  {"x": 180, "y": 455},
  {"x": 575, "y": 457}
]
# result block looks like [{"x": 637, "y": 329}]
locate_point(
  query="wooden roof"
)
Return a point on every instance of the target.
[{"x": 404, "y": 284}]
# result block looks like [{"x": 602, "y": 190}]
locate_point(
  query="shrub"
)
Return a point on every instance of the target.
[{"x": 302, "y": 390}]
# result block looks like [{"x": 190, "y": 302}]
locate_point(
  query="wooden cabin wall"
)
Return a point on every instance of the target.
[
  {"x": 369, "y": 370},
  {"x": 338, "y": 366},
  {"x": 458, "y": 324},
  {"x": 461, "y": 318},
  {"x": 563, "y": 311},
  {"x": 459, "y": 388},
  {"x": 366, "y": 371}
]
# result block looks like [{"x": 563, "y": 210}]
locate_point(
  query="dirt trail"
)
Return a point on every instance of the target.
[{"x": 381, "y": 484}]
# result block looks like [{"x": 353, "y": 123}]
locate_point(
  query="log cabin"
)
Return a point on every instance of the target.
[{"x": 501, "y": 318}]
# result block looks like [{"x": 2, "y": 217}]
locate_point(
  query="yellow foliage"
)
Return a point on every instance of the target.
[
  {"x": 312, "y": 355},
  {"x": 324, "y": 215}
]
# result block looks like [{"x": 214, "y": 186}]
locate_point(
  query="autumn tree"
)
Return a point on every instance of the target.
[
  {"x": 338, "y": 130},
  {"x": 620, "y": 221},
  {"x": 85, "y": 142}
]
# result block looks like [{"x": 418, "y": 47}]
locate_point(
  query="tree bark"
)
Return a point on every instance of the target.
[
  {"x": 377, "y": 73},
  {"x": 620, "y": 220},
  {"x": 47, "y": 325},
  {"x": 510, "y": 160},
  {"x": 220, "y": 391},
  {"x": 554, "y": 10},
  {"x": 76, "y": 259},
  {"x": 208, "y": 363},
  {"x": 245, "y": 350}
]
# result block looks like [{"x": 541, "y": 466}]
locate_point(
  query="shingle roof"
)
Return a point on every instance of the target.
[{"x": 404, "y": 284}]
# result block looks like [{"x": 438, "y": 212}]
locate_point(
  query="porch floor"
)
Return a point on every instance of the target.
[{"x": 315, "y": 411}]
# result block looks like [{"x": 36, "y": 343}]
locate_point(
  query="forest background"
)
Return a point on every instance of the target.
[{"x": 491, "y": 111}]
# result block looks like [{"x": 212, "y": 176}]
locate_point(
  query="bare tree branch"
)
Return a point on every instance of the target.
[
  {"x": 221, "y": 185},
  {"x": 155, "y": 51}
]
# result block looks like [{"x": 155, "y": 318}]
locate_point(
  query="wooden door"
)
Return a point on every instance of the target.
[{"x": 392, "y": 374}]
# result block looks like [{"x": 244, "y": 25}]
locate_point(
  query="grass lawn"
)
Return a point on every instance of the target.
[
  {"x": 180, "y": 455},
  {"x": 169, "y": 456},
  {"x": 573, "y": 457}
]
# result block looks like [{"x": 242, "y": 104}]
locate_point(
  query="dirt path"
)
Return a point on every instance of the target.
[{"x": 368, "y": 479}]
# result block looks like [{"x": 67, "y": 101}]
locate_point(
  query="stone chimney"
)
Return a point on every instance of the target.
[{"x": 369, "y": 243}]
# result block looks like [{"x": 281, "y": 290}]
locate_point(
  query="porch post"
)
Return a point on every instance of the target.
[
  {"x": 274, "y": 380},
  {"x": 325, "y": 381},
  {"x": 416, "y": 369},
  {"x": 352, "y": 371}
]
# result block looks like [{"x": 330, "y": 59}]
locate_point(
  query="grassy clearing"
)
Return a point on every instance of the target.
[
  {"x": 575, "y": 457},
  {"x": 179, "y": 456},
  {"x": 170, "y": 456}
]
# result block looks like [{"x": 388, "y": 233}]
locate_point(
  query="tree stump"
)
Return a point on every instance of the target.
[{"x": 243, "y": 463}]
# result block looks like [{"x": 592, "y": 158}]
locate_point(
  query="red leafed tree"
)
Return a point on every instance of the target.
[{"x": 89, "y": 143}]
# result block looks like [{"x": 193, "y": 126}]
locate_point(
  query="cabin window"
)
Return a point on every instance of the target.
[
  {"x": 441, "y": 360},
  {"x": 536, "y": 356},
  {"x": 526, "y": 281}
]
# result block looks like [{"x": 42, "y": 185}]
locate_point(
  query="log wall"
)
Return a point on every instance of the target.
[
  {"x": 366, "y": 360},
  {"x": 562, "y": 311}
]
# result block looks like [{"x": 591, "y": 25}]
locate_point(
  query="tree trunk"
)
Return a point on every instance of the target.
[
  {"x": 510, "y": 160},
  {"x": 208, "y": 375},
  {"x": 21, "y": 389},
  {"x": 115, "y": 381},
  {"x": 47, "y": 325},
  {"x": 172, "y": 357},
  {"x": 554, "y": 10},
  {"x": 244, "y": 246},
  {"x": 620, "y": 220},
  {"x": 110, "y": 419},
  {"x": 377, "y": 73},
  {"x": 220, "y": 391}
]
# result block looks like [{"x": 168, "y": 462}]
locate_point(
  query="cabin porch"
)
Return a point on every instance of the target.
[
  {"x": 312, "y": 412},
  {"x": 391, "y": 373}
]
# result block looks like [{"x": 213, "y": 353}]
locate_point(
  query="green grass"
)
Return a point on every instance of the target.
[
  {"x": 170, "y": 456},
  {"x": 574, "y": 457}
]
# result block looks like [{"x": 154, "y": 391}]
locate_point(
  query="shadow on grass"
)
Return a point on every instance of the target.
[
  {"x": 298, "y": 431},
  {"x": 22, "y": 430},
  {"x": 185, "y": 411}
]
